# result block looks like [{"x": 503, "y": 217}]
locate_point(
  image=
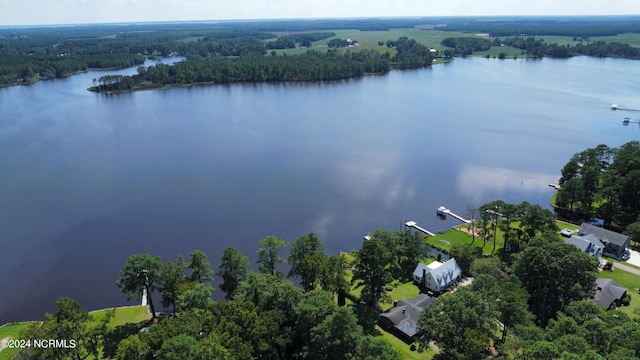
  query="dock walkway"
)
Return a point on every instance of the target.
[
  {"x": 414, "y": 225},
  {"x": 621, "y": 108},
  {"x": 444, "y": 211}
]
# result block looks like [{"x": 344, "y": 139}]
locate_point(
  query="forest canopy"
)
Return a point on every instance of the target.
[{"x": 603, "y": 182}]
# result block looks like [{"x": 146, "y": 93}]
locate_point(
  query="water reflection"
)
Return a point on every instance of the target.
[{"x": 478, "y": 183}]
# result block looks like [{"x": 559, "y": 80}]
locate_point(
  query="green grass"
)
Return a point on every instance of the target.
[
  {"x": 123, "y": 315},
  {"x": 11, "y": 331},
  {"x": 400, "y": 291},
  {"x": 443, "y": 241},
  {"x": 629, "y": 281},
  {"x": 402, "y": 348}
]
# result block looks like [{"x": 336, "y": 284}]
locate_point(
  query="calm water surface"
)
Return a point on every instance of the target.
[{"x": 88, "y": 179}]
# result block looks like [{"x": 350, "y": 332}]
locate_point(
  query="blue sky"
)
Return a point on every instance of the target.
[{"x": 34, "y": 12}]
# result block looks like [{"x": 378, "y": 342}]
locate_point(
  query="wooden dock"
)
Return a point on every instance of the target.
[
  {"x": 444, "y": 211},
  {"x": 555, "y": 186},
  {"x": 414, "y": 225}
]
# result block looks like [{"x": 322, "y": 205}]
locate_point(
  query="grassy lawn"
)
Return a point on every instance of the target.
[
  {"x": 400, "y": 291},
  {"x": 124, "y": 315},
  {"x": 629, "y": 281},
  {"x": 444, "y": 240},
  {"x": 11, "y": 331},
  {"x": 402, "y": 348}
]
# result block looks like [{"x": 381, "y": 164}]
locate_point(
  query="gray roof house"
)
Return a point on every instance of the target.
[
  {"x": 402, "y": 319},
  {"x": 608, "y": 293},
  {"x": 589, "y": 244},
  {"x": 437, "y": 276},
  {"x": 615, "y": 244}
]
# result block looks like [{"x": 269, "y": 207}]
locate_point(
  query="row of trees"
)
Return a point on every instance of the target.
[
  {"x": 603, "y": 182},
  {"x": 265, "y": 315},
  {"x": 537, "y": 47},
  {"x": 578, "y": 27},
  {"x": 338, "y": 43},
  {"x": 304, "y": 40},
  {"x": 466, "y": 45}
]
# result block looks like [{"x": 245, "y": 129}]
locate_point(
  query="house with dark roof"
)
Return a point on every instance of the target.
[
  {"x": 402, "y": 319},
  {"x": 608, "y": 292},
  {"x": 615, "y": 244},
  {"x": 437, "y": 276}
]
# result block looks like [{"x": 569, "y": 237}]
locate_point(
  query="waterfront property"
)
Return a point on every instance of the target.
[
  {"x": 402, "y": 319},
  {"x": 437, "y": 276},
  {"x": 615, "y": 244}
]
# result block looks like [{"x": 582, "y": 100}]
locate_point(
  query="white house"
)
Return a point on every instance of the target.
[{"x": 437, "y": 276}]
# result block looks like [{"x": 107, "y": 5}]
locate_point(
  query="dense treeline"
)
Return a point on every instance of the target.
[
  {"x": 30, "y": 56},
  {"x": 337, "y": 43},
  {"x": 310, "y": 66},
  {"x": 23, "y": 69},
  {"x": 304, "y": 40},
  {"x": 603, "y": 182},
  {"x": 411, "y": 54},
  {"x": 611, "y": 49},
  {"x": 467, "y": 45},
  {"x": 560, "y": 26},
  {"x": 537, "y": 47}
]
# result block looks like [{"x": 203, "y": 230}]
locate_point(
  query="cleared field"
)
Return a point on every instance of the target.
[
  {"x": 370, "y": 39},
  {"x": 433, "y": 38}
]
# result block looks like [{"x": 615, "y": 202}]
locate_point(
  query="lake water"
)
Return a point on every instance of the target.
[{"x": 88, "y": 179}]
